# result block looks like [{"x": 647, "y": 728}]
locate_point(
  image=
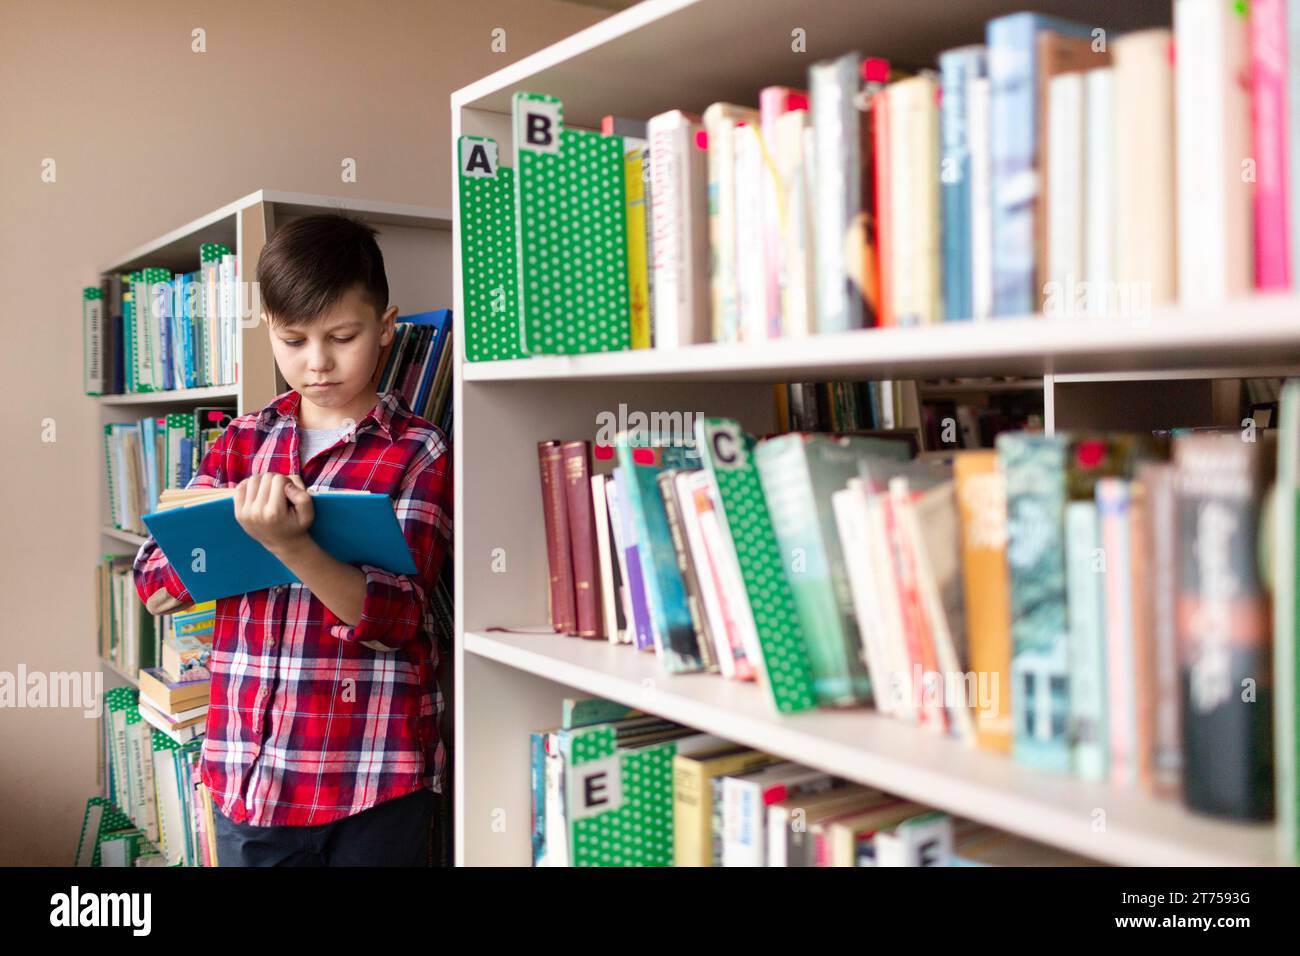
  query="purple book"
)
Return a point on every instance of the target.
[{"x": 645, "y": 640}]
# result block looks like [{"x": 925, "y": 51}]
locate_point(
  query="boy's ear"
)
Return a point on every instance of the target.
[{"x": 386, "y": 324}]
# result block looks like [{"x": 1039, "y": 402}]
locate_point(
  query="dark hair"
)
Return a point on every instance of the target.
[{"x": 312, "y": 262}]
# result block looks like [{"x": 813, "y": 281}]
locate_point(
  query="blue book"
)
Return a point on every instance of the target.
[
  {"x": 957, "y": 68},
  {"x": 354, "y": 527},
  {"x": 643, "y": 630},
  {"x": 1013, "y": 147},
  {"x": 665, "y": 590}
]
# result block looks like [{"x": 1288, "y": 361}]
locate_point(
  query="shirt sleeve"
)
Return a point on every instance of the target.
[
  {"x": 151, "y": 568},
  {"x": 396, "y": 606}
]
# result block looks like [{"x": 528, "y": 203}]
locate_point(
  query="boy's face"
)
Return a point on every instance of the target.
[{"x": 332, "y": 362}]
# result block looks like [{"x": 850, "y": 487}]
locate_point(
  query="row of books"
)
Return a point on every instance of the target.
[
  {"x": 1055, "y": 168},
  {"x": 153, "y": 330},
  {"x": 612, "y": 786},
  {"x": 1088, "y": 602},
  {"x": 976, "y": 422},
  {"x": 146, "y": 457},
  {"x": 417, "y": 363},
  {"x": 153, "y": 782},
  {"x": 842, "y": 406}
]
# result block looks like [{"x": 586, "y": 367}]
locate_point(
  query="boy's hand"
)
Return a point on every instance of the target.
[
  {"x": 161, "y": 602},
  {"x": 274, "y": 509}
]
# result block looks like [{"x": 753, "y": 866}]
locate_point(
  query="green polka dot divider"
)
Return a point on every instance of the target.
[
  {"x": 489, "y": 283},
  {"x": 572, "y": 239},
  {"x": 727, "y": 453},
  {"x": 639, "y": 830}
]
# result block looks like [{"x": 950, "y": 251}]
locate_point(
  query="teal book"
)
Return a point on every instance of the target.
[
  {"x": 1085, "y": 579},
  {"x": 1283, "y": 567},
  {"x": 799, "y": 473},
  {"x": 728, "y": 455},
  {"x": 665, "y": 591},
  {"x": 215, "y": 557},
  {"x": 489, "y": 281},
  {"x": 1034, "y": 467},
  {"x": 571, "y": 244}
]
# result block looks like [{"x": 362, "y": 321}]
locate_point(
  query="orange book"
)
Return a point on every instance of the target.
[{"x": 982, "y": 510}]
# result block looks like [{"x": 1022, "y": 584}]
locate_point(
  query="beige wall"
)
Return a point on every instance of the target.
[{"x": 147, "y": 135}]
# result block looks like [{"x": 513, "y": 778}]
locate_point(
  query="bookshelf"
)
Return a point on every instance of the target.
[
  {"x": 416, "y": 243},
  {"x": 686, "y": 54}
]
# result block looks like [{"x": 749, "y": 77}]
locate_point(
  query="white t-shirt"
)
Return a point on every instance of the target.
[{"x": 314, "y": 440}]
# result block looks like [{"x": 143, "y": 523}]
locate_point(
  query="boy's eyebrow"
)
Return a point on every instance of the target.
[{"x": 346, "y": 323}]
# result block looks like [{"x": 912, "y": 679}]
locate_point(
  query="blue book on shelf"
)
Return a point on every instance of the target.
[
  {"x": 354, "y": 527},
  {"x": 957, "y": 68},
  {"x": 1013, "y": 146}
]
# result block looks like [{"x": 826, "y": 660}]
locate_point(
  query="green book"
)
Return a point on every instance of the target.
[
  {"x": 1035, "y": 468},
  {"x": 130, "y": 340},
  {"x": 1085, "y": 582},
  {"x": 799, "y": 473},
  {"x": 489, "y": 283},
  {"x": 727, "y": 453},
  {"x": 571, "y": 244},
  {"x": 103, "y": 821}
]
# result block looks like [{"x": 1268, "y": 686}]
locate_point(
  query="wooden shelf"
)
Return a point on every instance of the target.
[
  {"x": 1092, "y": 819},
  {"x": 129, "y": 537},
  {"x": 183, "y": 396},
  {"x": 1261, "y": 330}
]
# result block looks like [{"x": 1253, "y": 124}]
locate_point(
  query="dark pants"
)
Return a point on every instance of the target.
[{"x": 393, "y": 833}]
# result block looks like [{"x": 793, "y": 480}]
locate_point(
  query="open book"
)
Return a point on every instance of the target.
[{"x": 215, "y": 557}]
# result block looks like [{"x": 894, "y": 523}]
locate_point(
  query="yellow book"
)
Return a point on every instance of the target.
[
  {"x": 638, "y": 278},
  {"x": 693, "y": 799}
]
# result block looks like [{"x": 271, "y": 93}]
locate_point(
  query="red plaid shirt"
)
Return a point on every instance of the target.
[{"x": 309, "y": 719}]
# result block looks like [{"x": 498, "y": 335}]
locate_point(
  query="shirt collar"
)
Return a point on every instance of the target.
[{"x": 386, "y": 417}]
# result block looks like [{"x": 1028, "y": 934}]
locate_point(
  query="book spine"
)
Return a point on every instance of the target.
[
  {"x": 832, "y": 86},
  {"x": 1286, "y": 549},
  {"x": 774, "y": 102},
  {"x": 1293, "y": 144},
  {"x": 958, "y": 69},
  {"x": 686, "y": 567},
  {"x": 914, "y": 228},
  {"x": 642, "y": 623},
  {"x": 1223, "y": 628},
  {"x": 729, "y": 586},
  {"x": 92, "y": 324},
  {"x": 1013, "y": 69},
  {"x": 1268, "y": 56},
  {"x": 1143, "y": 630},
  {"x": 1121, "y": 684},
  {"x": 797, "y": 305},
  {"x": 1098, "y": 212},
  {"x": 637, "y": 274},
  {"x": 1064, "y": 206},
  {"x": 555, "y": 516},
  {"x": 1215, "y": 241},
  {"x": 720, "y": 121},
  {"x": 1161, "y": 530},
  {"x": 884, "y": 208},
  {"x": 1034, "y": 465},
  {"x": 981, "y": 210},
  {"x": 981, "y": 503},
  {"x": 1145, "y": 251},
  {"x": 852, "y": 528},
  {"x": 751, "y": 264},
  {"x": 582, "y": 538},
  {"x": 1086, "y": 607}
]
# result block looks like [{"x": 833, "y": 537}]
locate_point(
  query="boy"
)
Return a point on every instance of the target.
[{"x": 322, "y": 742}]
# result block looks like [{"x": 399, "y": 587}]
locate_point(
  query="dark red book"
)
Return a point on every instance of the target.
[
  {"x": 555, "y": 516},
  {"x": 582, "y": 538}
]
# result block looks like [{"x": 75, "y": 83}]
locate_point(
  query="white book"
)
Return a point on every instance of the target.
[
  {"x": 1065, "y": 195},
  {"x": 981, "y": 210},
  {"x": 743, "y": 632},
  {"x": 679, "y": 210},
  {"x": 898, "y": 661},
  {"x": 798, "y": 307},
  {"x": 1098, "y": 162},
  {"x": 1215, "y": 241},
  {"x": 849, "y": 505},
  {"x": 923, "y": 840},
  {"x": 914, "y": 201},
  {"x": 744, "y": 812},
  {"x": 230, "y": 316},
  {"x": 626, "y": 636},
  {"x": 605, "y": 558},
  {"x": 710, "y": 583},
  {"x": 720, "y": 125},
  {"x": 1146, "y": 253},
  {"x": 751, "y": 258},
  {"x": 92, "y": 319}
]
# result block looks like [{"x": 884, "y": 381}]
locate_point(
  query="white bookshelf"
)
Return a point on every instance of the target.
[
  {"x": 415, "y": 241},
  {"x": 666, "y": 54}
]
